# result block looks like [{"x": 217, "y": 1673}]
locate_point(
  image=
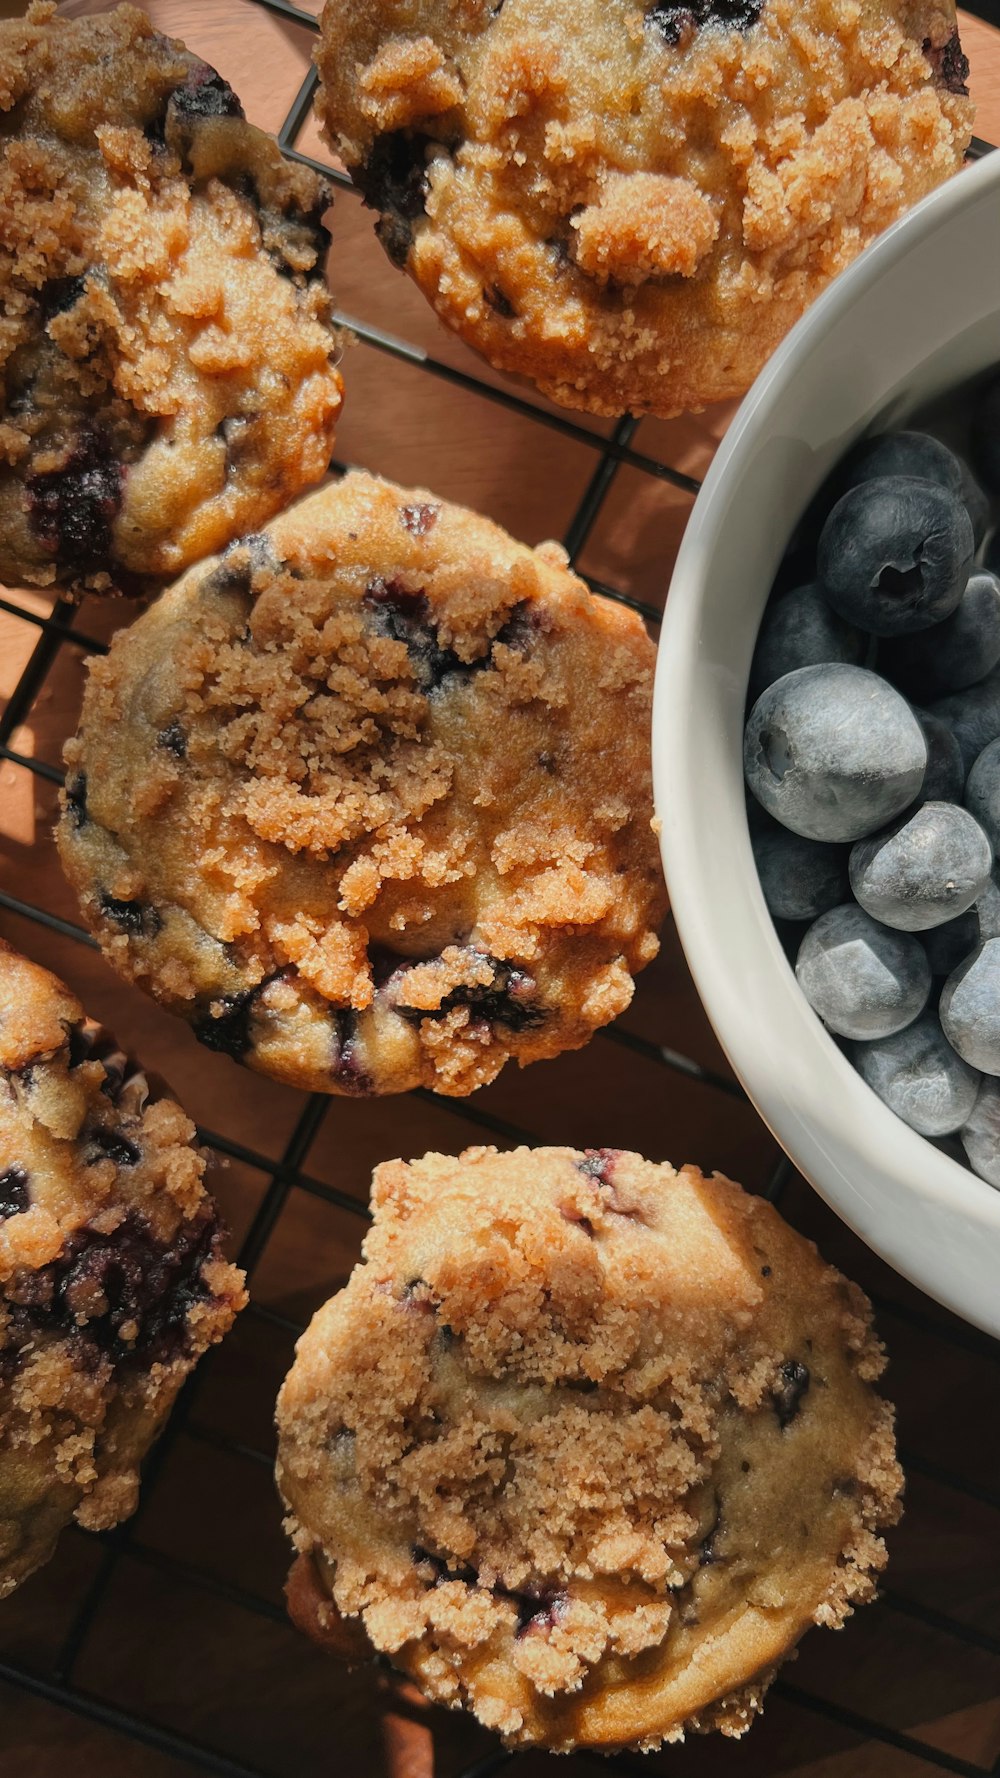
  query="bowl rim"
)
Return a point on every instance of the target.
[{"x": 932, "y": 1219}]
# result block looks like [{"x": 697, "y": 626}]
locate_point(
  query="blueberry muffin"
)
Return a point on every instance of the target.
[
  {"x": 585, "y": 1444},
  {"x": 367, "y": 799},
  {"x": 112, "y": 1278},
  {"x": 166, "y": 350},
  {"x": 631, "y": 204}
]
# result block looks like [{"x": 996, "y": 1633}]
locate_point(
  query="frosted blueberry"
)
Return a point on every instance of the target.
[
  {"x": 970, "y": 1008},
  {"x": 923, "y": 870},
  {"x": 833, "y": 752},
  {"x": 800, "y": 629},
  {"x": 895, "y": 554},
  {"x": 918, "y": 1075},
  {"x": 955, "y": 653},
  {"x": 972, "y": 715},
  {"x": 982, "y": 791},
  {"x": 980, "y": 1136},
  {"x": 800, "y": 878},
  {"x": 863, "y": 980},
  {"x": 947, "y": 946}
]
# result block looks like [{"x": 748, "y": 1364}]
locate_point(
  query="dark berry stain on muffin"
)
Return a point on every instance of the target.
[
  {"x": 347, "y": 1070},
  {"x": 59, "y": 295},
  {"x": 204, "y": 94},
  {"x": 15, "y": 1196},
  {"x": 501, "y": 305},
  {"x": 678, "y": 20},
  {"x": 137, "y": 918},
  {"x": 393, "y": 180},
  {"x": 536, "y": 1610},
  {"x": 406, "y": 617},
  {"x": 598, "y": 1163},
  {"x": 788, "y": 1395},
  {"x": 508, "y": 1000},
  {"x": 109, "y": 1145},
  {"x": 950, "y": 64},
  {"x": 419, "y": 519},
  {"x": 173, "y": 740},
  {"x": 707, "y": 1552},
  {"x": 72, "y": 509},
  {"x": 126, "y": 1294},
  {"x": 229, "y": 1031},
  {"x": 76, "y": 799}
]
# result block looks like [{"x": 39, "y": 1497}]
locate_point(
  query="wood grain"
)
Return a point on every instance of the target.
[{"x": 216, "y": 1662}]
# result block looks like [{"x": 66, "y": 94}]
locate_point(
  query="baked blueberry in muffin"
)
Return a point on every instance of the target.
[
  {"x": 585, "y": 1445},
  {"x": 166, "y": 348},
  {"x": 367, "y": 799},
  {"x": 631, "y": 204},
  {"x": 113, "y": 1280}
]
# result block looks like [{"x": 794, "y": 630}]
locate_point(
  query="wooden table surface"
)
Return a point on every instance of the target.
[{"x": 177, "y": 1626}]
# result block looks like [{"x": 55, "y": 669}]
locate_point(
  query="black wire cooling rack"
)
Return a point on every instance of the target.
[{"x": 164, "y": 1659}]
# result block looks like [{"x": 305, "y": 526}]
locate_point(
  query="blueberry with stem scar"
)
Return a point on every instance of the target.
[
  {"x": 895, "y": 554},
  {"x": 833, "y": 752}
]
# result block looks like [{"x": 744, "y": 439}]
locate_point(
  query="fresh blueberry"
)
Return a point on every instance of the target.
[
  {"x": 982, "y": 791},
  {"x": 957, "y": 653},
  {"x": 895, "y": 554},
  {"x": 862, "y": 979},
  {"x": 924, "y": 870},
  {"x": 948, "y": 945},
  {"x": 944, "y": 779},
  {"x": 970, "y": 1008},
  {"x": 986, "y": 435},
  {"x": 972, "y": 715},
  {"x": 800, "y": 629},
  {"x": 980, "y": 1136},
  {"x": 913, "y": 454},
  {"x": 918, "y": 1075},
  {"x": 833, "y": 752},
  {"x": 800, "y": 878}
]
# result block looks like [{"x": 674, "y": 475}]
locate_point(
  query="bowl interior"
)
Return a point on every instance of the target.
[{"x": 917, "y": 315}]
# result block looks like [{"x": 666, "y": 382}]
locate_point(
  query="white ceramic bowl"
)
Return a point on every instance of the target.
[{"x": 917, "y": 314}]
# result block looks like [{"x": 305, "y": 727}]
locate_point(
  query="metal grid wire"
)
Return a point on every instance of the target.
[{"x": 286, "y": 1175}]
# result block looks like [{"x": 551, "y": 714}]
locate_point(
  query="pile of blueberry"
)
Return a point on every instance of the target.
[{"x": 872, "y": 752}]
